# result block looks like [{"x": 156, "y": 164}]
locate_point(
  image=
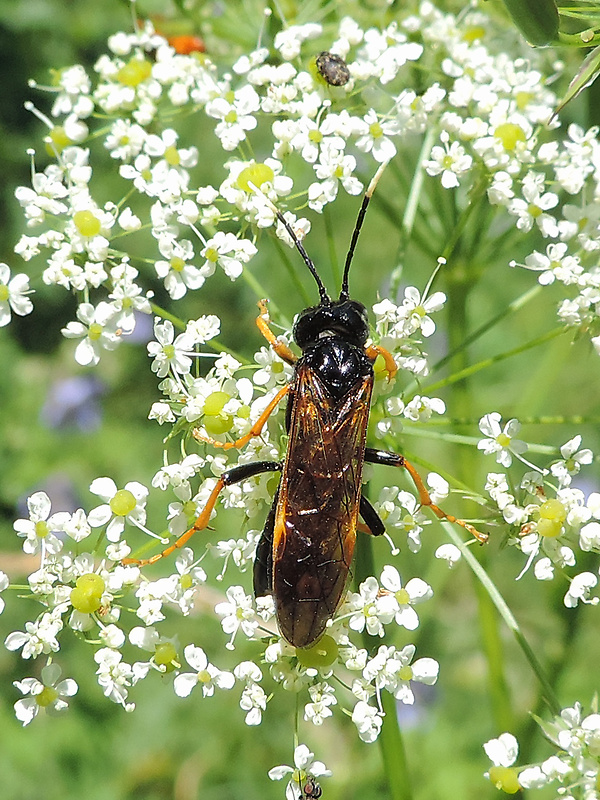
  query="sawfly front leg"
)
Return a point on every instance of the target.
[
  {"x": 394, "y": 460},
  {"x": 281, "y": 348},
  {"x": 255, "y": 430},
  {"x": 375, "y": 350},
  {"x": 231, "y": 476}
]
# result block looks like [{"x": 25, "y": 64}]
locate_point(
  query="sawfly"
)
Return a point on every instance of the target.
[{"x": 304, "y": 554}]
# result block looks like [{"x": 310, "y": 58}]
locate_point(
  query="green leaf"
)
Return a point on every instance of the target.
[
  {"x": 536, "y": 19},
  {"x": 587, "y": 74}
]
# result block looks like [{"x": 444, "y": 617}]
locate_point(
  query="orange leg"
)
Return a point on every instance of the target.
[
  {"x": 375, "y": 350},
  {"x": 255, "y": 430},
  {"x": 228, "y": 478},
  {"x": 281, "y": 348},
  {"x": 394, "y": 460},
  {"x": 199, "y": 525}
]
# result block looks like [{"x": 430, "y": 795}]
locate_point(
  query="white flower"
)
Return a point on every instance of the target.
[
  {"x": 39, "y": 637},
  {"x": 237, "y": 613},
  {"x": 322, "y": 697},
  {"x": 128, "y": 504},
  {"x": 178, "y": 274},
  {"x": 415, "y": 310},
  {"x": 501, "y": 441},
  {"x": 555, "y": 264},
  {"x": 449, "y": 160},
  {"x": 13, "y": 295},
  {"x": 170, "y": 352},
  {"x": 534, "y": 207},
  {"x": 423, "y": 670},
  {"x": 289, "y": 40},
  {"x": 304, "y": 768},
  {"x": 449, "y": 553},
  {"x": 502, "y": 751},
  {"x": 254, "y": 698},
  {"x": 373, "y": 136},
  {"x": 45, "y": 695},
  {"x": 579, "y": 590},
  {"x": 4, "y": 584},
  {"x": 421, "y": 408},
  {"x": 400, "y": 600},
  {"x": 364, "y": 609},
  {"x": 206, "y": 674},
  {"x": 236, "y": 115},
  {"x": 99, "y": 329},
  {"x": 229, "y": 252},
  {"x": 573, "y": 459},
  {"x": 203, "y": 329},
  {"x": 116, "y": 676},
  {"x": 40, "y": 529},
  {"x": 589, "y": 537},
  {"x": 368, "y": 721},
  {"x": 333, "y": 168}
]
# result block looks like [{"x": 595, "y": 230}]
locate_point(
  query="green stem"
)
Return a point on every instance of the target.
[
  {"x": 498, "y": 601},
  {"x": 513, "y": 307},
  {"x": 461, "y": 275},
  {"x": 487, "y": 362},
  {"x": 494, "y": 652}
]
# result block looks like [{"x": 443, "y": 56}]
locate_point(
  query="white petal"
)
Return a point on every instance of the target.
[{"x": 184, "y": 683}]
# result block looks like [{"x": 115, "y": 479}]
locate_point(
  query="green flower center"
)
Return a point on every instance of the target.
[
  {"x": 95, "y": 331},
  {"x": 87, "y": 223},
  {"x": 505, "y": 778},
  {"x": 122, "y": 503},
  {"x": 47, "y": 696},
  {"x": 376, "y": 130},
  {"x": 510, "y": 134},
  {"x": 256, "y": 174},
  {"x": 165, "y": 654},
  {"x": 134, "y": 72},
  {"x": 403, "y": 597},
  {"x": 172, "y": 156},
  {"x": 322, "y": 654}
]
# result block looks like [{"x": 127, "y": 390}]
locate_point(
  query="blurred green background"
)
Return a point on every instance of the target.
[{"x": 171, "y": 748}]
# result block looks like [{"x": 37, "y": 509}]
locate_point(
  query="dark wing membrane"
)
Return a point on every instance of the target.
[{"x": 316, "y": 517}]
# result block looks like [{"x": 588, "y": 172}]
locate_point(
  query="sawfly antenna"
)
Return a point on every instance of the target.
[
  {"x": 344, "y": 293},
  {"x": 325, "y": 299}
]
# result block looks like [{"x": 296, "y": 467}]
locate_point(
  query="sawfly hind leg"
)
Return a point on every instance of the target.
[
  {"x": 372, "y": 522},
  {"x": 231, "y": 476},
  {"x": 394, "y": 460},
  {"x": 263, "y": 560}
]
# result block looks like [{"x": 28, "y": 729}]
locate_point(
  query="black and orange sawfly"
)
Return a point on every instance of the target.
[{"x": 304, "y": 554}]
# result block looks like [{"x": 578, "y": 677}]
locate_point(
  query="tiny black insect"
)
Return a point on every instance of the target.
[
  {"x": 332, "y": 68},
  {"x": 310, "y": 790},
  {"x": 304, "y": 554}
]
